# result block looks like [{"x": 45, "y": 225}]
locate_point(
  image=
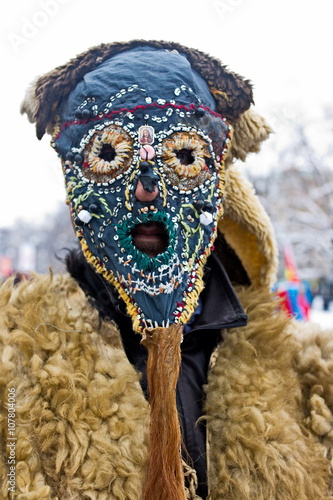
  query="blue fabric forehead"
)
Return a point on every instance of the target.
[{"x": 157, "y": 71}]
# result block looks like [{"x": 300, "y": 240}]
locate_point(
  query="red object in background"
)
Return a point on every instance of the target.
[
  {"x": 294, "y": 293},
  {"x": 290, "y": 271},
  {"x": 6, "y": 266},
  {"x": 285, "y": 301}
]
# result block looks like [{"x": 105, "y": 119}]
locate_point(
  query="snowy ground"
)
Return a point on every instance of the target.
[{"x": 323, "y": 318}]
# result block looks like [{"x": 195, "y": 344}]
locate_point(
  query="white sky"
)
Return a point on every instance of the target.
[{"x": 284, "y": 47}]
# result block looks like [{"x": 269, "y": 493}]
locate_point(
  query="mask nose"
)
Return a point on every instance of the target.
[
  {"x": 144, "y": 195},
  {"x": 146, "y": 188}
]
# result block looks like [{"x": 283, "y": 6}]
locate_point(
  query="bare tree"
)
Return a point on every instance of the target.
[{"x": 298, "y": 195}]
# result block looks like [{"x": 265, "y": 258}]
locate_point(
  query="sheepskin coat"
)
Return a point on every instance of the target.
[
  {"x": 81, "y": 418},
  {"x": 79, "y": 426}
]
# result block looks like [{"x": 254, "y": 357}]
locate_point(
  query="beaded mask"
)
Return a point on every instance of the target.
[{"x": 142, "y": 150}]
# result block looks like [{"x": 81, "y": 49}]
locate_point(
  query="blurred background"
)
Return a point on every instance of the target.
[{"x": 283, "y": 47}]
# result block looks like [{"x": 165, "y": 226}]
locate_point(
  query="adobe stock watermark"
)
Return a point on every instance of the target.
[
  {"x": 11, "y": 439},
  {"x": 224, "y": 7},
  {"x": 33, "y": 24}
]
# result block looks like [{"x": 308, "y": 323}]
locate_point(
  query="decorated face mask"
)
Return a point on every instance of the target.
[{"x": 142, "y": 152}]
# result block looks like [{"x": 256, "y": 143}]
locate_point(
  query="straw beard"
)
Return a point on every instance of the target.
[{"x": 165, "y": 480}]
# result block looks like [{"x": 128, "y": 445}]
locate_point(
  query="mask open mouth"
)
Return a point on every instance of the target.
[
  {"x": 149, "y": 241},
  {"x": 150, "y": 238}
]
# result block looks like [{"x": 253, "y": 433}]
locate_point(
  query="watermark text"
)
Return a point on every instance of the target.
[
  {"x": 11, "y": 439},
  {"x": 30, "y": 26}
]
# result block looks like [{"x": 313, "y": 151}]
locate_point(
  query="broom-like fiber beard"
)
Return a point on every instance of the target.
[{"x": 165, "y": 479}]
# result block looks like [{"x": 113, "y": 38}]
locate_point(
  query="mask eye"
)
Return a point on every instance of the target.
[
  {"x": 185, "y": 157},
  {"x": 109, "y": 154}
]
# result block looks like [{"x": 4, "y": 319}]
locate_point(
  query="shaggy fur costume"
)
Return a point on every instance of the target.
[{"x": 82, "y": 419}]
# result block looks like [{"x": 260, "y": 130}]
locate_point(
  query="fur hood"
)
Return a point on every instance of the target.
[{"x": 81, "y": 416}]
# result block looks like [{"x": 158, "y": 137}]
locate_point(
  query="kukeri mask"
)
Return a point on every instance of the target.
[{"x": 142, "y": 149}]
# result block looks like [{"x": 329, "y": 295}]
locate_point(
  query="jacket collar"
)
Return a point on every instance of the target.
[{"x": 220, "y": 305}]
